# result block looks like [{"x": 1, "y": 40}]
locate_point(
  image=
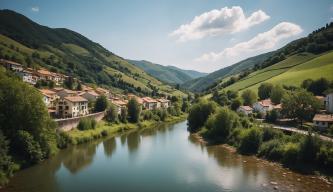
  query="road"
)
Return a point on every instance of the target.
[{"x": 293, "y": 129}]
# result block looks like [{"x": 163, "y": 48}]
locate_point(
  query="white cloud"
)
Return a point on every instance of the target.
[
  {"x": 35, "y": 9},
  {"x": 218, "y": 22},
  {"x": 260, "y": 43}
]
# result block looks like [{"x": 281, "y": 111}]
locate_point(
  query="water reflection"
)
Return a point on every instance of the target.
[
  {"x": 133, "y": 141},
  {"x": 79, "y": 157},
  {"x": 109, "y": 146}
]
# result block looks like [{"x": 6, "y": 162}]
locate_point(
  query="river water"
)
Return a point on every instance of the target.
[{"x": 163, "y": 159}]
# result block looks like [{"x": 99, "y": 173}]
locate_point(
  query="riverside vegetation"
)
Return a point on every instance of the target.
[
  {"x": 28, "y": 134},
  {"x": 218, "y": 124}
]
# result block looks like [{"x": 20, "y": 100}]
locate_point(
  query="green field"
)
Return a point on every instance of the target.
[{"x": 291, "y": 71}]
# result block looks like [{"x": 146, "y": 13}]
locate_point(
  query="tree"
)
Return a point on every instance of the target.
[
  {"x": 111, "y": 114},
  {"x": 251, "y": 140},
  {"x": 79, "y": 87},
  {"x": 199, "y": 114},
  {"x": 134, "y": 110},
  {"x": 25, "y": 122},
  {"x": 264, "y": 90},
  {"x": 123, "y": 115},
  {"x": 185, "y": 106},
  {"x": 249, "y": 97},
  {"x": 277, "y": 94},
  {"x": 300, "y": 104},
  {"x": 235, "y": 104},
  {"x": 7, "y": 166},
  {"x": 318, "y": 86},
  {"x": 69, "y": 83},
  {"x": 221, "y": 123},
  {"x": 272, "y": 116},
  {"x": 101, "y": 103}
]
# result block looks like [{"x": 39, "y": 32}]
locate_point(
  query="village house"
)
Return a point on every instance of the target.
[
  {"x": 263, "y": 106},
  {"x": 149, "y": 103},
  {"x": 11, "y": 65},
  {"x": 89, "y": 95},
  {"x": 28, "y": 76},
  {"x": 245, "y": 109},
  {"x": 163, "y": 103},
  {"x": 66, "y": 93},
  {"x": 72, "y": 106},
  {"x": 329, "y": 102},
  {"x": 49, "y": 97},
  {"x": 323, "y": 121},
  {"x": 119, "y": 104}
]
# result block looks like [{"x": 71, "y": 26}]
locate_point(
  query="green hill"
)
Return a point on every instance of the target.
[
  {"x": 168, "y": 74},
  {"x": 68, "y": 52},
  {"x": 291, "y": 71},
  {"x": 285, "y": 65},
  {"x": 211, "y": 79}
]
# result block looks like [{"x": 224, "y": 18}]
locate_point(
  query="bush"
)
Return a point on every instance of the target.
[
  {"x": 146, "y": 115},
  {"x": 249, "y": 97},
  {"x": 111, "y": 114},
  {"x": 30, "y": 149},
  {"x": 272, "y": 150},
  {"x": 309, "y": 147},
  {"x": 62, "y": 140},
  {"x": 250, "y": 141},
  {"x": 87, "y": 123},
  {"x": 7, "y": 167},
  {"x": 290, "y": 153},
  {"x": 272, "y": 116},
  {"x": 134, "y": 110},
  {"x": 325, "y": 156},
  {"x": 277, "y": 94},
  {"x": 270, "y": 133},
  {"x": 235, "y": 104},
  {"x": 264, "y": 90},
  {"x": 221, "y": 124},
  {"x": 101, "y": 104},
  {"x": 199, "y": 114}
]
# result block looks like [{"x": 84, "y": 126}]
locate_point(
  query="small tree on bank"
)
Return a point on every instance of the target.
[
  {"x": 249, "y": 97},
  {"x": 134, "y": 110},
  {"x": 111, "y": 114},
  {"x": 101, "y": 104}
]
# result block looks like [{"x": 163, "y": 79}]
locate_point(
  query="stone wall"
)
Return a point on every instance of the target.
[{"x": 70, "y": 123}]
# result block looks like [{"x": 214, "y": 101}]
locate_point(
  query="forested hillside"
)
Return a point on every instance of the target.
[{"x": 65, "y": 51}]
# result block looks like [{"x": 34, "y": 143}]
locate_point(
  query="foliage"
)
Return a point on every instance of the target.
[
  {"x": 7, "y": 167},
  {"x": 309, "y": 146},
  {"x": 123, "y": 115},
  {"x": 111, "y": 114},
  {"x": 185, "y": 106},
  {"x": 290, "y": 153},
  {"x": 134, "y": 110},
  {"x": 235, "y": 104},
  {"x": 272, "y": 149},
  {"x": 250, "y": 141},
  {"x": 272, "y": 116},
  {"x": 277, "y": 94},
  {"x": 317, "y": 87},
  {"x": 300, "y": 104},
  {"x": 24, "y": 118},
  {"x": 199, "y": 113},
  {"x": 86, "y": 123},
  {"x": 264, "y": 90},
  {"x": 249, "y": 97},
  {"x": 221, "y": 123},
  {"x": 101, "y": 104}
]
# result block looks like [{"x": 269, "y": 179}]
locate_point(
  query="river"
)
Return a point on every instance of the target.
[{"x": 163, "y": 159}]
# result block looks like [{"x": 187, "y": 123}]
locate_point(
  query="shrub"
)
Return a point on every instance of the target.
[
  {"x": 199, "y": 114},
  {"x": 87, "y": 123},
  {"x": 147, "y": 115},
  {"x": 101, "y": 104},
  {"x": 277, "y": 94},
  {"x": 62, "y": 140},
  {"x": 111, "y": 114},
  {"x": 272, "y": 150},
  {"x": 272, "y": 116},
  {"x": 309, "y": 146},
  {"x": 249, "y": 97},
  {"x": 264, "y": 90},
  {"x": 250, "y": 141},
  {"x": 220, "y": 124},
  {"x": 290, "y": 153},
  {"x": 270, "y": 133},
  {"x": 29, "y": 147},
  {"x": 134, "y": 110},
  {"x": 325, "y": 156}
]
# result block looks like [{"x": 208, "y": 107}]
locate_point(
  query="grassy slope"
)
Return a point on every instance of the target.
[{"x": 291, "y": 71}]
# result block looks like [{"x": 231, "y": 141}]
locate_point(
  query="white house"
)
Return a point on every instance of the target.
[
  {"x": 49, "y": 97},
  {"x": 263, "y": 106},
  {"x": 72, "y": 106},
  {"x": 329, "y": 102},
  {"x": 28, "y": 76},
  {"x": 164, "y": 103},
  {"x": 11, "y": 65},
  {"x": 119, "y": 104},
  {"x": 245, "y": 109},
  {"x": 323, "y": 121},
  {"x": 149, "y": 103}
]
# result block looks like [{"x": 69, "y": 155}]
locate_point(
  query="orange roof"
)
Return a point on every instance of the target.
[
  {"x": 148, "y": 100},
  {"x": 76, "y": 99},
  {"x": 323, "y": 117},
  {"x": 47, "y": 91},
  {"x": 70, "y": 91},
  {"x": 44, "y": 72},
  {"x": 101, "y": 90},
  {"x": 265, "y": 103},
  {"x": 246, "y": 108},
  {"x": 56, "y": 89},
  {"x": 93, "y": 93},
  {"x": 119, "y": 102}
]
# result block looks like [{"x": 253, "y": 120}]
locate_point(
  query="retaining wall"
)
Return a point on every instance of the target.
[{"x": 70, "y": 123}]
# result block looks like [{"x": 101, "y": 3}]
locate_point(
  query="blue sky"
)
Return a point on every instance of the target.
[{"x": 214, "y": 33}]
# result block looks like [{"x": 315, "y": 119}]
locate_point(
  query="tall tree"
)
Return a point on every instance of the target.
[
  {"x": 264, "y": 90},
  {"x": 249, "y": 97},
  {"x": 134, "y": 110},
  {"x": 277, "y": 94},
  {"x": 101, "y": 103}
]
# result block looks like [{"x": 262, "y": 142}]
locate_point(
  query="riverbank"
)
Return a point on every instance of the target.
[{"x": 104, "y": 129}]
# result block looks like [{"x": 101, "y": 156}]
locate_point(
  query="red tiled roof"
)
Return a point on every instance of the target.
[
  {"x": 10, "y": 62},
  {"x": 76, "y": 99},
  {"x": 265, "y": 103},
  {"x": 119, "y": 102},
  {"x": 148, "y": 100},
  {"x": 323, "y": 117},
  {"x": 47, "y": 91}
]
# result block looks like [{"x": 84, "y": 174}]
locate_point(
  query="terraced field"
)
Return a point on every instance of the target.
[{"x": 291, "y": 71}]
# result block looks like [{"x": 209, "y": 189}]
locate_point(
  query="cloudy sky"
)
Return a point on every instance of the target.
[{"x": 203, "y": 35}]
